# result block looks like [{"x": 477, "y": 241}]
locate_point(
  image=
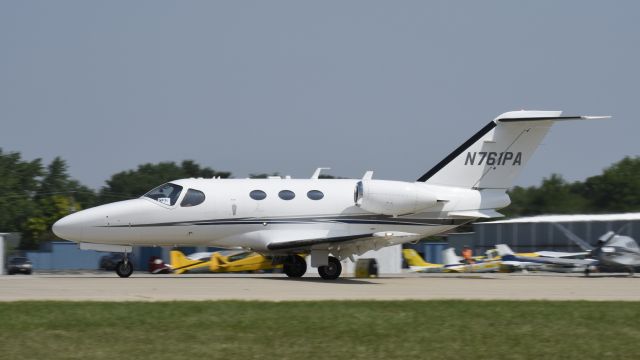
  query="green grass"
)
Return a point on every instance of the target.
[{"x": 328, "y": 329}]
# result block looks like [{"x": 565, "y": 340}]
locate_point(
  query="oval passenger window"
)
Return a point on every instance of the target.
[
  {"x": 258, "y": 195},
  {"x": 286, "y": 194},
  {"x": 315, "y": 195}
]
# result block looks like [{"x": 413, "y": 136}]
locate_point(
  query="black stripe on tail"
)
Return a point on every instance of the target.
[{"x": 457, "y": 151}]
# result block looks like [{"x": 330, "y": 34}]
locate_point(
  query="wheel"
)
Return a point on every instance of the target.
[
  {"x": 124, "y": 269},
  {"x": 587, "y": 271},
  {"x": 295, "y": 267},
  {"x": 332, "y": 270}
]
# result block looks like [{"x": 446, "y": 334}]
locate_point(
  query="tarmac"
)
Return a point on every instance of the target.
[{"x": 106, "y": 286}]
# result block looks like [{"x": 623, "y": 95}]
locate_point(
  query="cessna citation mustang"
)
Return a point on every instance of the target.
[{"x": 329, "y": 219}]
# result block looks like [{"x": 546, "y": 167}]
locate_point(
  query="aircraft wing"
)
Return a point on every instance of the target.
[
  {"x": 559, "y": 254},
  {"x": 435, "y": 268},
  {"x": 294, "y": 240},
  {"x": 559, "y": 261},
  {"x": 573, "y": 237}
]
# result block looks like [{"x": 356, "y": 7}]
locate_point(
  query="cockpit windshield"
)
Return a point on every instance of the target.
[{"x": 166, "y": 194}]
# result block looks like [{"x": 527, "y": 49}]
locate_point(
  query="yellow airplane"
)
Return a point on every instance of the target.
[
  {"x": 490, "y": 262},
  {"x": 221, "y": 261},
  {"x": 453, "y": 263}
]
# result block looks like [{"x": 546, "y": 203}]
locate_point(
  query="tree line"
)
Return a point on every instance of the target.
[
  {"x": 34, "y": 195},
  {"x": 616, "y": 190}
]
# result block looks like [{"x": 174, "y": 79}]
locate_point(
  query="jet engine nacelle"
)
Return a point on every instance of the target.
[{"x": 393, "y": 197}]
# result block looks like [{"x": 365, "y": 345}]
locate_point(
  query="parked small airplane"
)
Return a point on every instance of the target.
[
  {"x": 543, "y": 260},
  {"x": 612, "y": 251},
  {"x": 329, "y": 219},
  {"x": 221, "y": 261},
  {"x": 452, "y": 263}
]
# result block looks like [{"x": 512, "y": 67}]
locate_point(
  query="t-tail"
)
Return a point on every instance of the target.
[{"x": 495, "y": 155}]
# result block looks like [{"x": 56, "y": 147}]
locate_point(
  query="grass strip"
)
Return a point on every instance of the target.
[{"x": 328, "y": 329}]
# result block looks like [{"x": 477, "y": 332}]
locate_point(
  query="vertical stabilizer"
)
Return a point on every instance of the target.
[
  {"x": 413, "y": 258},
  {"x": 450, "y": 258},
  {"x": 504, "y": 250},
  {"x": 494, "y": 156}
]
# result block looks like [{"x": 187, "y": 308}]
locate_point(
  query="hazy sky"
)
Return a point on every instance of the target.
[{"x": 287, "y": 86}]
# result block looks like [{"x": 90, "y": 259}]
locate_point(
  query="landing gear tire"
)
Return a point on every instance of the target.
[
  {"x": 332, "y": 270},
  {"x": 295, "y": 267},
  {"x": 124, "y": 268}
]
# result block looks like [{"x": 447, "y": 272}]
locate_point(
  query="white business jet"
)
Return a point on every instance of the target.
[{"x": 329, "y": 219}]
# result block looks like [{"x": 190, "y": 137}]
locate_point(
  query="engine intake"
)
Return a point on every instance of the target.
[{"x": 393, "y": 197}]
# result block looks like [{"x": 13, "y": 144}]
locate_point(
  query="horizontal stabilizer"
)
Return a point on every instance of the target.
[{"x": 554, "y": 118}]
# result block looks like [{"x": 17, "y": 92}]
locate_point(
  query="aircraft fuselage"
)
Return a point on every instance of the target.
[{"x": 230, "y": 217}]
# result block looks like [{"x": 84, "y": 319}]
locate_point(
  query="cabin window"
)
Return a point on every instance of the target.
[
  {"x": 193, "y": 197},
  {"x": 286, "y": 194},
  {"x": 315, "y": 195},
  {"x": 258, "y": 195},
  {"x": 166, "y": 194}
]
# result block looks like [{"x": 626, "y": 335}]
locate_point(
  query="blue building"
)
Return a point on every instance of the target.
[{"x": 66, "y": 255}]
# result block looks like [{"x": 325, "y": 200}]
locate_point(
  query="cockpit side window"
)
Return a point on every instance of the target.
[
  {"x": 193, "y": 197},
  {"x": 166, "y": 194}
]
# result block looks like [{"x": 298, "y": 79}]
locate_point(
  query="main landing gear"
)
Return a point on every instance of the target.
[
  {"x": 124, "y": 267},
  {"x": 332, "y": 270},
  {"x": 296, "y": 266}
]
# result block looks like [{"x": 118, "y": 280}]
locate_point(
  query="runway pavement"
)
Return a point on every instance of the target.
[{"x": 277, "y": 287}]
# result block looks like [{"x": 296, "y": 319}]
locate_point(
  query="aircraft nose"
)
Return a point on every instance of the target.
[
  {"x": 74, "y": 227},
  {"x": 97, "y": 224},
  {"x": 69, "y": 227}
]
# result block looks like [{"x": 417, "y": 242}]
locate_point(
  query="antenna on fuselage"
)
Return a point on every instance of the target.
[
  {"x": 316, "y": 174},
  {"x": 368, "y": 175}
]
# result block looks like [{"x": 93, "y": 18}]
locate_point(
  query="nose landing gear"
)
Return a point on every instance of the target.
[{"x": 124, "y": 268}]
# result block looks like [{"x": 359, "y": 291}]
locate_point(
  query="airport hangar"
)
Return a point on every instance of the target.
[{"x": 537, "y": 233}]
